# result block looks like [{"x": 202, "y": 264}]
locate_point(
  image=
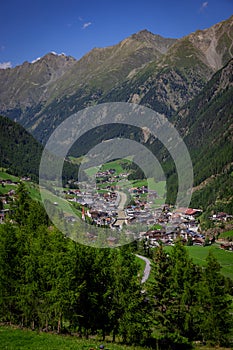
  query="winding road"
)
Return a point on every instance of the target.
[
  {"x": 121, "y": 214},
  {"x": 147, "y": 268}
]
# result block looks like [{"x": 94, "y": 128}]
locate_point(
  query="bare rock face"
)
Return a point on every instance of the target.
[{"x": 216, "y": 43}]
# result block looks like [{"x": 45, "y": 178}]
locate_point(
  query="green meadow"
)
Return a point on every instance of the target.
[
  {"x": 199, "y": 254},
  {"x": 227, "y": 235},
  {"x": 12, "y": 338},
  {"x": 17, "y": 339},
  {"x": 6, "y": 176}
]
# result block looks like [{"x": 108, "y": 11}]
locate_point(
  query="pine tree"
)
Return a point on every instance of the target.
[
  {"x": 215, "y": 304},
  {"x": 172, "y": 296},
  {"x": 8, "y": 273}
]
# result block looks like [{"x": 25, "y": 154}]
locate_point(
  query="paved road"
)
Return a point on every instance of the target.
[
  {"x": 122, "y": 201},
  {"x": 121, "y": 213},
  {"x": 147, "y": 268}
]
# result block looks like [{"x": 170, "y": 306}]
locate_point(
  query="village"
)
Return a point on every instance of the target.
[{"x": 113, "y": 207}]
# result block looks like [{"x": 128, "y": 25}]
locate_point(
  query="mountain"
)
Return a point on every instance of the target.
[
  {"x": 169, "y": 83},
  {"x": 46, "y": 98},
  {"x": 102, "y": 68},
  {"x": 145, "y": 68},
  {"x": 189, "y": 80},
  {"x": 25, "y": 86}
]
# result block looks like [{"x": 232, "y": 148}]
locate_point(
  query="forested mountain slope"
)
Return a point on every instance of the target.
[
  {"x": 207, "y": 127},
  {"x": 20, "y": 153}
]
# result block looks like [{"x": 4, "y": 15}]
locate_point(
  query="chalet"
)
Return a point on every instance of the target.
[
  {"x": 188, "y": 212},
  {"x": 192, "y": 212},
  {"x": 221, "y": 217},
  {"x": 228, "y": 246},
  {"x": 3, "y": 199},
  {"x": 8, "y": 182},
  {"x": 25, "y": 178},
  {"x": 3, "y": 214},
  {"x": 154, "y": 234},
  {"x": 198, "y": 241}
]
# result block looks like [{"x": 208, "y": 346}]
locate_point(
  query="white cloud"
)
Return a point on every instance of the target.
[
  {"x": 87, "y": 24},
  {"x": 5, "y": 65},
  {"x": 204, "y": 6}
]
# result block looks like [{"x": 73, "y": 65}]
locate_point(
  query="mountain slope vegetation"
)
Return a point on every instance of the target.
[
  {"x": 20, "y": 153},
  {"x": 189, "y": 80},
  {"x": 207, "y": 127}
]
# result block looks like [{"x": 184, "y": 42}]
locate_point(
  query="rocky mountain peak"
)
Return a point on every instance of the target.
[
  {"x": 215, "y": 43},
  {"x": 154, "y": 40},
  {"x": 142, "y": 34}
]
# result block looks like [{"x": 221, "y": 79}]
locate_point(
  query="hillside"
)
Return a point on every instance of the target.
[
  {"x": 20, "y": 153},
  {"x": 207, "y": 127},
  {"x": 205, "y": 124}
]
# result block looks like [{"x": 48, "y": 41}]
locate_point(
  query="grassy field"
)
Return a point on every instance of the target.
[
  {"x": 32, "y": 187},
  {"x": 227, "y": 235},
  {"x": 7, "y": 188},
  {"x": 17, "y": 339},
  {"x": 6, "y": 176},
  {"x": 159, "y": 187},
  {"x": 33, "y": 190},
  {"x": 92, "y": 171},
  {"x": 199, "y": 254},
  {"x": 116, "y": 164}
]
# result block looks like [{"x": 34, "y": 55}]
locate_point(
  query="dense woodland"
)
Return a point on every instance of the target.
[
  {"x": 20, "y": 153},
  {"x": 51, "y": 283}
]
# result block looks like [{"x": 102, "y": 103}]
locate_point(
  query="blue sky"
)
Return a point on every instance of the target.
[{"x": 30, "y": 29}]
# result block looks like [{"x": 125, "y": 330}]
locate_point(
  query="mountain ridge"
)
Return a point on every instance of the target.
[
  {"x": 138, "y": 67},
  {"x": 179, "y": 78}
]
